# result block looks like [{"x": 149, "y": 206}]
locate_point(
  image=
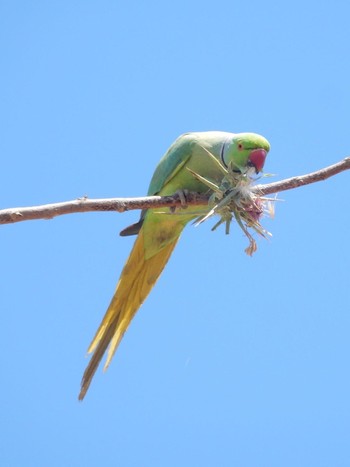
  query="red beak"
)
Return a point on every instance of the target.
[{"x": 257, "y": 159}]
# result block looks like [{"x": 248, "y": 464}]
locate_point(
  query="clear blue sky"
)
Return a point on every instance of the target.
[{"x": 232, "y": 361}]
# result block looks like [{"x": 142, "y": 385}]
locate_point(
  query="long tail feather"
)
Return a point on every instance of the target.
[{"x": 136, "y": 281}]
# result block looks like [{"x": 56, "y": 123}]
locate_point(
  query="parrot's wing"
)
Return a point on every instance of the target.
[{"x": 174, "y": 159}]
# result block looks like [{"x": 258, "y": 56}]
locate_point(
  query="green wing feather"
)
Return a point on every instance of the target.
[{"x": 173, "y": 160}]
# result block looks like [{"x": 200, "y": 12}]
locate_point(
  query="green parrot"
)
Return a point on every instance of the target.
[{"x": 159, "y": 229}]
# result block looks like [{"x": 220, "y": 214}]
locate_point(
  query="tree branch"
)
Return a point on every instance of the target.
[
  {"x": 301, "y": 180},
  {"x": 49, "y": 211}
]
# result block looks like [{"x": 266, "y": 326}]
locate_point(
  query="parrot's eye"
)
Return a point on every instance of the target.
[{"x": 240, "y": 146}]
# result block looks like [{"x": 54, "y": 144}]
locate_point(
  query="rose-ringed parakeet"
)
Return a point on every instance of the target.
[{"x": 159, "y": 229}]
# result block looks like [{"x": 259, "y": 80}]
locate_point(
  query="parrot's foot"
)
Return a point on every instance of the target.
[{"x": 182, "y": 194}]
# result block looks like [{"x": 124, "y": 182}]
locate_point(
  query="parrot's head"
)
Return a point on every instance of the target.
[{"x": 245, "y": 150}]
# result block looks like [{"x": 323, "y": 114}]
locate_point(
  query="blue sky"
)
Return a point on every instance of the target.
[{"x": 232, "y": 360}]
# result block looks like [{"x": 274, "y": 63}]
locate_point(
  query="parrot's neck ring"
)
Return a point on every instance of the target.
[
  {"x": 222, "y": 158},
  {"x": 222, "y": 152}
]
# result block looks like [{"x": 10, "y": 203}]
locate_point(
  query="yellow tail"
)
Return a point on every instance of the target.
[{"x": 136, "y": 281}]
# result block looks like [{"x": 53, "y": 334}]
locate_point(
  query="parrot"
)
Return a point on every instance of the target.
[{"x": 159, "y": 229}]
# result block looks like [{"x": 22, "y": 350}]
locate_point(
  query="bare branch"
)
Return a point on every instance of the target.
[
  {"x": 301, "y": 180},
  {"x": 49, "y": 211}
]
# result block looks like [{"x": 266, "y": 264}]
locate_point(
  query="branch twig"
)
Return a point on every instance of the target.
[{"x": 49, "y": 211}]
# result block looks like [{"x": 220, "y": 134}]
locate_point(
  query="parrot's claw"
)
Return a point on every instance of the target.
[{"x": 182, "y": 194}]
